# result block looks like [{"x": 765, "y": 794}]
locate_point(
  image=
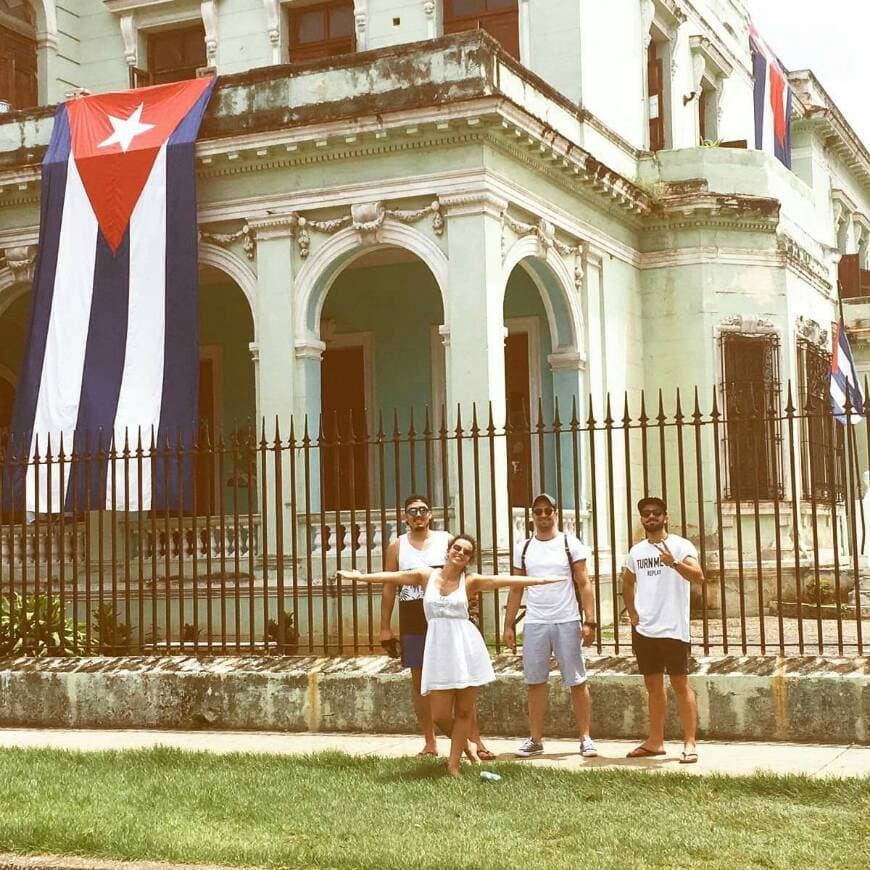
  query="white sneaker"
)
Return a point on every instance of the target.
[
  {"x": 528, "y": 748},
  {"x": 587, "y": 748}
]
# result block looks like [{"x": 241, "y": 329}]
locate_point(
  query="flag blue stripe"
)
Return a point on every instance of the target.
[
  {"x": 54, "y": 176},
  {"x": 759, "y": 71},
  {"x": 103, "y": 368},
  {"x": 783, "y": 152},
  {"x": 179, "y": 404},
  {"x": 844, "y": 386}
]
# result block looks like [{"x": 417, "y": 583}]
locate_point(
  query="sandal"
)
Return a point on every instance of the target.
[
  {"x": 486, "y": 755},
  {"x": 643, "y": 752},
  {"x": 688, "y": 757},
  {"x": 427, "y": 753}
]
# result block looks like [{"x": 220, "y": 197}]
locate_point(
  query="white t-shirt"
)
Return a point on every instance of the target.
[
  {"x": 558, "y": 601},
  {"x": 661, "y": 596},
  {"x": 434, "y": 555}
]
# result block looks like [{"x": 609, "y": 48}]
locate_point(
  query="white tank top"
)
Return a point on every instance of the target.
[{"x": 434, "y": 555}]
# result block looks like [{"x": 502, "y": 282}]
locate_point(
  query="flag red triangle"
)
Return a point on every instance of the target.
[{"x": 115, "y": 141}]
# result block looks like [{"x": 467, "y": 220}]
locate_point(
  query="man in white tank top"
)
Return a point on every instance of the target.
[{"x": 420, "y": 547}]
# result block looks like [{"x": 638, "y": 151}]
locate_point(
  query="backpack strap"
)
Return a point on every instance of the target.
[{"x": 523, "y": 554}]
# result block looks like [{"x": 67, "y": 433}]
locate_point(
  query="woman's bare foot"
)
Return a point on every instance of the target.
[
  {"x": 452, "y": 771},
  {"x": 470, "y": 754}
]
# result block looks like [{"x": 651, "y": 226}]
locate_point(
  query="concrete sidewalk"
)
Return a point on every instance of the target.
[{"x": 730, "y": 759}]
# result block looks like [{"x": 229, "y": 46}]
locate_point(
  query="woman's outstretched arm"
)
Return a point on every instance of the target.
[
  {"x": 483, "y": 582},
  {"x": 417, "y": 577}
]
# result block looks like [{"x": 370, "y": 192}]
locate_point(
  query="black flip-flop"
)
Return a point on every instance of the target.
[
  {"x": 688, "y": 757},
  {"x": 643, "y": 752}
]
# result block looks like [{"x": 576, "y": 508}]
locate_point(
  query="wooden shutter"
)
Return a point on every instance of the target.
[{"x": 655, "y": 77}]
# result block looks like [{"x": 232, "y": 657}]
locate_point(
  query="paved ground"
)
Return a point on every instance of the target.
[{"x": 720, "y": 758}]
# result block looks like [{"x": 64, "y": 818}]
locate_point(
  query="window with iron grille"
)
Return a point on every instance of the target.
[
  {"x": 822, "y": 445},
  {"x": 751, "y": 398},
  {"x": 322, "y": 30},
  {"x": 499, "y": 18}
]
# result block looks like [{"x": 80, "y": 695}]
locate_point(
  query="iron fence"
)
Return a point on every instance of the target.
[{"x": 206, "y": 545}]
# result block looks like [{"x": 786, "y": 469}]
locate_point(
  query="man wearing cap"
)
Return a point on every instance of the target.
[
  {"x": 655, "y": 588},
  {"x": 553, "y": 623}
]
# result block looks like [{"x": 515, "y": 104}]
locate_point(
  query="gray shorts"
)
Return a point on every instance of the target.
[{"x": 561, "y": 639}]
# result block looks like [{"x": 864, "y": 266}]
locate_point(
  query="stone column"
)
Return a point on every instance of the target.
[
  {"x": 568, "y": 368},
  {"x": 475, "y": 360},
  {"x": 274, "y": 367},
  {"x": 596, "y": 393}
]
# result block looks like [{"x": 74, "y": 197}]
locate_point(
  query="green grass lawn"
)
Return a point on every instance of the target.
[{"x": 334, "y": 811}]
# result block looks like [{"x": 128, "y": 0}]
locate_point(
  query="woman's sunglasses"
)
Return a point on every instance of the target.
[{"x": 462, "y": 551}]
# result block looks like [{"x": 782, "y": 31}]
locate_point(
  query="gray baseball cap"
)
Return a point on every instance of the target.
[{"x": 545, "y": 497}]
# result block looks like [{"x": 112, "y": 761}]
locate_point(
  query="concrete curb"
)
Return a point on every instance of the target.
[{"x": 739, "y": 698}]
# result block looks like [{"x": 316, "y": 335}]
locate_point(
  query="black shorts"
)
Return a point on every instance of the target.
[
  {"x": 660, "y": 655},
  {"x": 412, "y": 632}
]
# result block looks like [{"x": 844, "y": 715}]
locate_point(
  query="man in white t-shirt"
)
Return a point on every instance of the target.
[
  {"x": 552, "y": 624},
  {"x": 655, "y": 588}
]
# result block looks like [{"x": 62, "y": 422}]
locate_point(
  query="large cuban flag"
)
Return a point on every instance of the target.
[
  {"x": 113, "y": 345},
  {"x": 773, "y": 99}
]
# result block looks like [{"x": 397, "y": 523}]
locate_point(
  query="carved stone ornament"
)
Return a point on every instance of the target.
[
  {"x": 209, "y": 15},
  {"x": 129, "y": 35},
  {"x": 224, "y": 240},
  {"x": 746, "y": 323},
  {"x": 273, "y": 27},
  {"x": 545, "y": 233},
  {"x": 812, "y": 332},
  {"x": 20, "y": 261},
  {"x": 366, "y": 218}
]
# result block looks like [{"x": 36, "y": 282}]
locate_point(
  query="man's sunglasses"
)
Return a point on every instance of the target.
[
  {"x": 542, "y": 512},
  {"x": 653, "y": 512},
  {"x": 417, "y": 511}
]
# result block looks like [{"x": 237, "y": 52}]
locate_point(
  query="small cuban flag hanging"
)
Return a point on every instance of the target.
[{"x": 845, "y": 387}]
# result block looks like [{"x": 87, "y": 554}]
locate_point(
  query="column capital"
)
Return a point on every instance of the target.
[
  {"x": 567, "y": 361},
  {"x": 474, "y": 202},
  {"x": 274, "y": 226},
  {"x": 310, "y": 348}
]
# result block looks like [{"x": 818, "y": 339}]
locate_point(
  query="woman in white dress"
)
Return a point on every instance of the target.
[{"x": 455, "y": 660}]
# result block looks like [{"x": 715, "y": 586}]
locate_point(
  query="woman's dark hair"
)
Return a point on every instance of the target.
[
  {"x": 412, "y": 498},
  {"x": 463, "y": 537}
]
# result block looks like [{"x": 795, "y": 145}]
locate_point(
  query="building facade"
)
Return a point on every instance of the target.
[{"x": 513, "y": 204}]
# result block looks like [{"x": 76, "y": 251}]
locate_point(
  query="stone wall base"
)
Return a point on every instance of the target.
[{"x": 744, "y": 698}]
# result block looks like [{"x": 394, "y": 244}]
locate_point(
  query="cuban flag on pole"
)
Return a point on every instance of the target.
[
  {"x": 844, "y": 380},
  {"x": 773, "y": 99},
  {"x": 113, "y": 344}
]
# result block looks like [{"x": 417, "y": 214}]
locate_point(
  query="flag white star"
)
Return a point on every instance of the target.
[{"x": 125, "y": 129}]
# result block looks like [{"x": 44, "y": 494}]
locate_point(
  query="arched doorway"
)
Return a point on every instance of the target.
[
  {"x": 227, "y": 393},
  {"x": 543, "y": 327},
  {"x": 382, "y": 366},
  {"x": 14, "y": 323}
]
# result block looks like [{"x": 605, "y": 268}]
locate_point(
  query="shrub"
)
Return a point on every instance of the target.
[
  {"x": 291, "y": 633},
  {"x": 35, "y": 625},
  {"x": 113, "y": 637}
]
